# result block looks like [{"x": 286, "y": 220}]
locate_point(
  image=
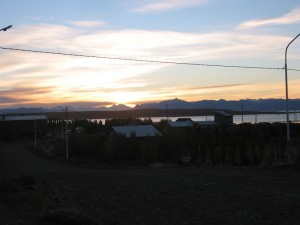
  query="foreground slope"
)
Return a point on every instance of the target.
[{"x": 32, "y": 186}]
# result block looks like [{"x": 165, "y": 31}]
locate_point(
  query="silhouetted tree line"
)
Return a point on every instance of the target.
[
  {"x": 89, "y": 126},
  {"x": 242, "y": 144}
]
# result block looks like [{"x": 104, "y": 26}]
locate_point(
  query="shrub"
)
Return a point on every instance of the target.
[
  {"x": 87, "y": 145},
  {"x": 27, "y": 180},
  {"x": 128, "y": 149}
]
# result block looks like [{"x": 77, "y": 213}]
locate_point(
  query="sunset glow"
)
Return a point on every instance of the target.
[{"x": 168, "y": 30}]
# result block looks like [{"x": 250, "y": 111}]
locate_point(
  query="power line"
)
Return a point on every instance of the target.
[{"x": 146, "y": 60}]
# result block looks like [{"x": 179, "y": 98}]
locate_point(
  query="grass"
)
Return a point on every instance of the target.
[
  {"x": 46, "y": 192},
  {"x": 15, "y": 191},
  {"x": 67, "y": 217},
  {"x": 8, "y": 186}
]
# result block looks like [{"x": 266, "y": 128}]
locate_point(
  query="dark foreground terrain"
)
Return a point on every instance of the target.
[{"x": 35, "y": 190}]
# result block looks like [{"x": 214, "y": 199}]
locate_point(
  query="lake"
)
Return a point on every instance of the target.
[{"x": 258, "y": 118}]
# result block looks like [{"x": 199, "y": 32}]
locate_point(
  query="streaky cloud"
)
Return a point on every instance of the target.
[
  {"x": 88, "y": 23},
  {"x": 215, "y": 86},
  {"x": 289, "y": 18},
  {"x": 166, "y": 5},
  {"x": 11, "y": 100}
]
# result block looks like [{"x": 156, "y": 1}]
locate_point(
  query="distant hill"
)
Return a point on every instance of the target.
[
  {"x": 33, "y": 110},
  {"x": 254, "y": 105},
  {"x": 264, "y": 105},
  {"x": 23, "y": 110},
  {"x": 119, "y": 107}
]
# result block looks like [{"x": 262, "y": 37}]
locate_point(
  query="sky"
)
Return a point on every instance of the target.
[{"x": 215, "y": 32}]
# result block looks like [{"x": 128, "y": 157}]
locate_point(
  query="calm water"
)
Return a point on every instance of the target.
[
  {"x": 238, "y": 118},
  {"x": 246, "y": 118}
]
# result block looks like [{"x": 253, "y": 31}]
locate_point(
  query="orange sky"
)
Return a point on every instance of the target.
[{"x": 255, "y": 38}]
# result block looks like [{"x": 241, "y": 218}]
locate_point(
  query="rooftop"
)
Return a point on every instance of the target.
[
  {"x": 186, "y": 123},
  {"x": 137, "y": 131},
  {"x": 22, "y": 117},
  {"x": 223, "y": 113}
]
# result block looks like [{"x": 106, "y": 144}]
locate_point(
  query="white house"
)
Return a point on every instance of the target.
[
  {"x": 181, "y": 124},
  {"x": 139, "y": 131}
]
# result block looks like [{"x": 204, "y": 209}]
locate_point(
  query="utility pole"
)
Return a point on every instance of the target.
[
  {"x": 167, "y": 110},
  {"x": 67, "y": 144},
  {"x": 34, "y": 123},
  {"x": 62, "y": 124},
  {"x": 242, "y": 112}
]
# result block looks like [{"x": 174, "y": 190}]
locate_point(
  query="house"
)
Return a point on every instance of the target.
[
  {"x": 206, "y": 124},
  {"x": 184, "y": 119},
  {"x": 133, "y": 142},
  {"x": 139, "y": 131},
  {"x": 180, "y": 126},
  {"x": 22, "y": 117},
  {"x": 182, "y": 123},
  {"x": 223, "y": 118},
  {"x": 15, "y": 125}
]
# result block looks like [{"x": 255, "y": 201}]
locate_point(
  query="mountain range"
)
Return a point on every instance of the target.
[
  {"x": 258, "y": 105},
  {"x": 244, "y": 104}
]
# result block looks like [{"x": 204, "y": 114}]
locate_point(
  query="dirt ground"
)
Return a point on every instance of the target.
[{"x": 36, "y": 190}]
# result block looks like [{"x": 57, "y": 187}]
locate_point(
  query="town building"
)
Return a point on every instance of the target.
[
  {"x": 139, "y": 131},
  {"x": 223, "y": 118},
  {"x": 18, "y": 125}
]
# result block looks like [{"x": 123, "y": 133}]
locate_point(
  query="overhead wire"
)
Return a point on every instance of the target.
[{"x": 146, "y": 60}]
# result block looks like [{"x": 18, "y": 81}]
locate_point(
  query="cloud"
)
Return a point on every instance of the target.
[
  {"x": 22, "y": 96},
  {"x": 89, "y": 104},
  {"x": 25, "y": 95},
  {"x": 88, "y": 24},
  {"x": 289, "y": 18},
  {"x": 168, "y": 5},
  {"x": 214, "y": 86},
  {"x": 44, "y": 78},
  {"x": 11, "y": 100},
  {"x": 232, "y": 92}
]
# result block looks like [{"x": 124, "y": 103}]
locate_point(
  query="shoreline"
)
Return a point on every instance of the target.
[{"x": 146, "y": 113}]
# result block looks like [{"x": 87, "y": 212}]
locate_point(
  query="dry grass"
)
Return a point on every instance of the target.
[
  {"x": 51, "y": 193},
  {"x": 67, "y": 217}
]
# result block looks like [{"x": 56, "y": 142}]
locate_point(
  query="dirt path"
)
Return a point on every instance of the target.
[
  {"x": 16, "y": 158},
  {"x": 205, "y": 195}
]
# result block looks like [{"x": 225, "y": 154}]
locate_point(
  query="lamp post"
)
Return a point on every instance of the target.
[
  {"x": 288, "y": 138},
  {"x": 6, "y": 28}
]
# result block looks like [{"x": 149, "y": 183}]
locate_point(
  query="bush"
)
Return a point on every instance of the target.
[
  {"x": 87, "y": 145},
  {"x": 235, "y": 145},
  {"x": 128, "y": 149},
  {"x": 27, "y": 180}
]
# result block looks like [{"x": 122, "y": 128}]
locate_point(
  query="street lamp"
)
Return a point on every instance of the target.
[
  {"x": 6, "y": 28},
  {"x": 288, "y": 138}
]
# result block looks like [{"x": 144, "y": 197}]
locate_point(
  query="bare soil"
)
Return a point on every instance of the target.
[{"x": 37, "y": 190}]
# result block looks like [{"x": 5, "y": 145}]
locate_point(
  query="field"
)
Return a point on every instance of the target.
[{"x": 38, "y": 190}]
